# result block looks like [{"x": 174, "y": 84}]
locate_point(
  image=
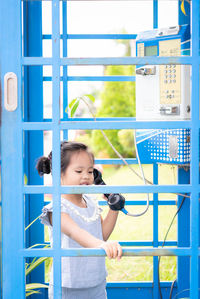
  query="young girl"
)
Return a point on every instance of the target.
[{"x": 81, "y": 226}]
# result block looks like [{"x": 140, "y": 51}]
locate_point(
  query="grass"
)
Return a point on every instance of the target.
[{"x": 141, "y": 228}]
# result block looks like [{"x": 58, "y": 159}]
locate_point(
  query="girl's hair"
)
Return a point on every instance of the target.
[{"x": 67, "y": 149}]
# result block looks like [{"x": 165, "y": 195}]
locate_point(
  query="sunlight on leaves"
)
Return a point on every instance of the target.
[
  {"x": 90, "y": 97},
  {"x": 74, "y": 108}
]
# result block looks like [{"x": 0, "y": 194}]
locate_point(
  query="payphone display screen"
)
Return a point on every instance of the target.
[{"x": 151, "y": 51}]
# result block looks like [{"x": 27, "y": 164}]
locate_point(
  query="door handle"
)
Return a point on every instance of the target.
[{"x": 10, "y": 91}]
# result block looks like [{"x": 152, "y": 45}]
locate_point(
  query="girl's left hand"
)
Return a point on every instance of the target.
[{"x": 112, "y": 249}]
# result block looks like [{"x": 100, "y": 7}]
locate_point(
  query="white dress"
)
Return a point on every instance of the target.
[{"x": 79, "y": 274}]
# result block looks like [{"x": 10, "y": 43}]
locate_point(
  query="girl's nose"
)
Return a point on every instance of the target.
[{"x": 85, "y": 174}]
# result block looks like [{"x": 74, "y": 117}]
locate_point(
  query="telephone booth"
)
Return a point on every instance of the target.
[{"x": 34, "y": 93}]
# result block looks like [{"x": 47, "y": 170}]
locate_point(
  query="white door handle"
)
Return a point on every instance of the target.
[{"x": 10, "y": 91}]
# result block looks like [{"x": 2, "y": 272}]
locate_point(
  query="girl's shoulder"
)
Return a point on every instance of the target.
[
  {"x": 44, "y": 217},
  {"x": 47, "y": 209}
]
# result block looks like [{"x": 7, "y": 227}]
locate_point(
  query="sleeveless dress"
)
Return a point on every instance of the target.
[{"x": 82, "y": 277}]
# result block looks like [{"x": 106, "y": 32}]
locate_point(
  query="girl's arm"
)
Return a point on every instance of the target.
[
  {"x": 85, "y": 239},
  {"x": 108, "y": 223}
]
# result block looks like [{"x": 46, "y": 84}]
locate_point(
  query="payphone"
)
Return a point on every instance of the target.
[{"x": 163, "y": 93}]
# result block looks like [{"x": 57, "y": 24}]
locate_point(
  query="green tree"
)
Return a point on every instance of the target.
[{"x": 117, "y": 100}]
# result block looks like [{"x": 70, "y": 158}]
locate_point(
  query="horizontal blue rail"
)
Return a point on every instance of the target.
[
  {"x": 109, "y": 61},
  {"x": 95, "y": 78},
  {"x": 138, "y": 284},
  {"x": 92, "y": 36},
  {"x": 107, "y": 189},
  {"x": 147, "y": 243},
  {"x": 115, "y": 161},
  {"x": 97, "y": 119},
  {"x": 107, "y": 125},
  {"x": 139, "y": 243},
  {"x": 167, "y": 251},
  {"x": 143, "y": 202}
]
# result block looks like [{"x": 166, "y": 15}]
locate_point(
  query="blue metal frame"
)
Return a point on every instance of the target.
[
  {"x": 33, "y": 111},
  {"x": 11, "y": 132},
  {"x": 13, "y": 191}
]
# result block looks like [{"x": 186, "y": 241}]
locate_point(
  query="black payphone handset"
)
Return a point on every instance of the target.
[{"x": 115, "y": 201}]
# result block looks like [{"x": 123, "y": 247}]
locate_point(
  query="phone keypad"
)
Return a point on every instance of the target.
[{"x": 170, "y": 74}]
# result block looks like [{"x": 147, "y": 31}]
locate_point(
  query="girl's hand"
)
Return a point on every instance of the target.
[{"x": 112, "y": 249}]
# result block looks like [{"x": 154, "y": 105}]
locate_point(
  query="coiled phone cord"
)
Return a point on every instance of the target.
[
  {"x": 144, "y": 180},
  {"x": 142, "y": 173}
]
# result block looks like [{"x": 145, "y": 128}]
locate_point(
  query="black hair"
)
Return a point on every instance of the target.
[{"x": 67, "y": 149}]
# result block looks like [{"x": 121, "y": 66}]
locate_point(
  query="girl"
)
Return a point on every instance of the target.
[{"x": 81, "y": 226}]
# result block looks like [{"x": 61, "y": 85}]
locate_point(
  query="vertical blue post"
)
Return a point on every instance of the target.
[
  {"x": 65, "y": 68},
  {"x": 56, "y": 148},
  {"x": 183, "y": 223},
  {"x": 11, "y": 149},
  {"x": 155, "y": 13},
  {"x": 194, "y": 223},
  {"x": 33, "y": 98},
  {"x": 183, "y": 234},
  {"x": 155, "y": 234}
]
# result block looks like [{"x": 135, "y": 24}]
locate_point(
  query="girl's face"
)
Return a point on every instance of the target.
[{"x": 79, "y": 170}]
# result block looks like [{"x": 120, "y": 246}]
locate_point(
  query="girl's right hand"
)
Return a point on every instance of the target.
[{"x": 113, "y": 249}]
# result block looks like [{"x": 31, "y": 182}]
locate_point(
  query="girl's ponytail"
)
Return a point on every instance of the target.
[{"x": 43, "y": 166}]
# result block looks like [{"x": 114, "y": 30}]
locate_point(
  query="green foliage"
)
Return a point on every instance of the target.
[
  {"x": 32, "y": 288},
  {"x": 126, "y": 139},
  {"x": 118, "y": 100}
]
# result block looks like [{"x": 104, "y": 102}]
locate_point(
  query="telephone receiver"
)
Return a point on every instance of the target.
[{"x": 115, "y": 201}]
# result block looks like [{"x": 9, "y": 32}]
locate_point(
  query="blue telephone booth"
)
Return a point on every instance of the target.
[{"x": 23, "y": 126}]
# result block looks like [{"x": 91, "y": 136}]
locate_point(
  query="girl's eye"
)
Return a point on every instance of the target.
[
  {"x": 90, "y": 172},
  {"x": 78, "y": 171}
]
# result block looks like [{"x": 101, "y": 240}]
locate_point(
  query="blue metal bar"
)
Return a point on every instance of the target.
[
  {"x": 167, "y": 251},
  {"x": 141, "y": 243},
  {"x": 183, "y": 234},
  {"x": 93, "y": 36},
  {"x": 194, "y": 226},
  {"x": 97, "y": 119},
  {"x": 65, "y": 67},
  {"x": 155, "y": 233},
  {"x": 139, "y": 202},
  {"x": 107, "y": 125},
  {"x": 34, "y": 111},
  {"x": 143, "y": 202},
  {"x": 115, "y": 161},
  {"x": 155, "y": 17},
  {"x": 108, "y": 189},
  {"x": 136, "y": 243},
  {"x": 111, "y": 61},
  {"x": 56, "y": 148},
  {"x": 13, "y": 274},
  {"x": 95, "y": 78},
  {"x": 138, "y": 284},
  {"x": 147, "y": 243}
]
